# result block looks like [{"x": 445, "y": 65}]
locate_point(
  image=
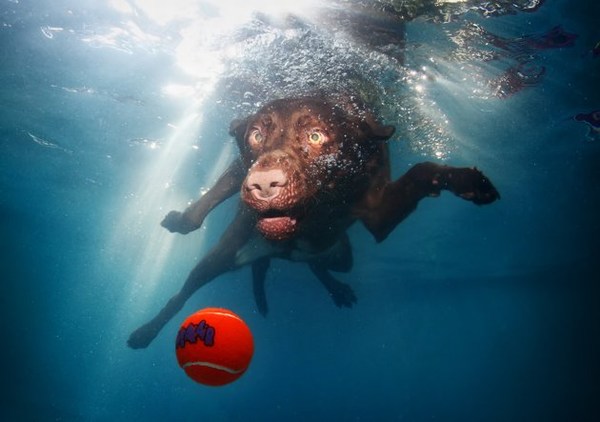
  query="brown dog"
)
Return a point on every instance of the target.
[{"x": 309, "y": 168}]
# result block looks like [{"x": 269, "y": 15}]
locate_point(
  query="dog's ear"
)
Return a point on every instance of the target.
[
  {"x": 375, "y": 130},
  {"x": 364, "y": 117},
  {"x": 237, "y": 129}
]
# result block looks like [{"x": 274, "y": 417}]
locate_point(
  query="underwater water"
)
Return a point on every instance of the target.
[{"x": 114, "y": 112}]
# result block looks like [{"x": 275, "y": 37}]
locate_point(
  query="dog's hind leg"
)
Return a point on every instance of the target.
[
  {"x": 341, "y": 293},
  {"x": 220, "y": 259},
  {"x": 259, "y": 274}
]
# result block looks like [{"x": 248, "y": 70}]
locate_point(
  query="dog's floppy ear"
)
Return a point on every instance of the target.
[
  {"x": 237, "y": 129},
  {"x": 375, "y": 130},
  {"x": 363, "y": 116}
]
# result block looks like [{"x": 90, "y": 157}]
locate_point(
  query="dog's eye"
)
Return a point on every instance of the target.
[
  {"x": 316, "y": 137},
  {"x": 255, "y": 137}
]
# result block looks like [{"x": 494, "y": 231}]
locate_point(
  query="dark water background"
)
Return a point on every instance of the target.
[{"x": 464, "y": 313}]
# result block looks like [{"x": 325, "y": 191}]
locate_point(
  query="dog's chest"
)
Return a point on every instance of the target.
[{"x": 295, "y": 250}]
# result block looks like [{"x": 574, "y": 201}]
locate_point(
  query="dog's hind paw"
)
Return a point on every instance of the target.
[{"x": 342, "y": 295}]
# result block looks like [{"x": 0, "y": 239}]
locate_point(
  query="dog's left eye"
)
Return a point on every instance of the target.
[{"x": 316, "y": 137}]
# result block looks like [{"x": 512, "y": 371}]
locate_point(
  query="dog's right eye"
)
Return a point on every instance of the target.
[{"x": 255, "y": 137}]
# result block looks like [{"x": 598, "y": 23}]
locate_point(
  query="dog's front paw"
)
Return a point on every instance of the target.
[
  {"x": 176, "y": 222},
  {"x": 473, "y": 185},
  {"x": 142, "y": 337}
]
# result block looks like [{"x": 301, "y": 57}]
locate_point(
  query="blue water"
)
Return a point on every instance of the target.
[{"x": 111, "y": 115}]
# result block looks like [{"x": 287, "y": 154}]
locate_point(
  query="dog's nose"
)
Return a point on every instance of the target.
[{"x": 266, "y": 184}]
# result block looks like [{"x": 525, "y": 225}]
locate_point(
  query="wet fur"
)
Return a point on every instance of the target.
[{"x": 308, "y": 169}]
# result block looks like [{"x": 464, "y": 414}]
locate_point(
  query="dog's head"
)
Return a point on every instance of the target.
[{"x": 306, "y": 157}]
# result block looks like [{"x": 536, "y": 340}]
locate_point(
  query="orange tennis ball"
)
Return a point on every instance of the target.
[{"x": 214, "y": 346}]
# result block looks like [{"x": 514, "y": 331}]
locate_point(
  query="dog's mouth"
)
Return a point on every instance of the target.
[{"x": 278, "y": 225}]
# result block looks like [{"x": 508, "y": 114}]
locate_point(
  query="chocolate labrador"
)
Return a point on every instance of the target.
[{"x": 309, "y": 168}]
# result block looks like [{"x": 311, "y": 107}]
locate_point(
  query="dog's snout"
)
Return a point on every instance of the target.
[{"x": 266, "y": 184}]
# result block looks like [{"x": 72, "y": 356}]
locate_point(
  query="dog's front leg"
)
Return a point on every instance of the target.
[
  {"x": 219, "y": 260},
  {"x": 394, "y": 201},
  {"x": 191, "y": 219}
]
